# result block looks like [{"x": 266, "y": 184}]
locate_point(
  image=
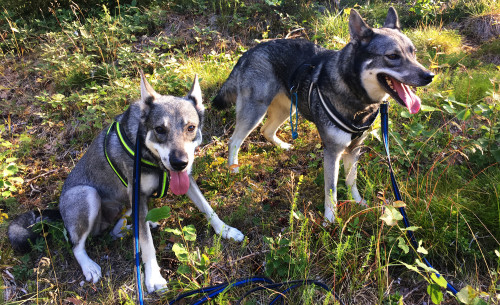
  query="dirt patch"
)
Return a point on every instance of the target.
[{"x": 482, "y": 28}]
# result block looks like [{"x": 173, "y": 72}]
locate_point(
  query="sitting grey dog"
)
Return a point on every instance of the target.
[{"x": 100, "y": 186}]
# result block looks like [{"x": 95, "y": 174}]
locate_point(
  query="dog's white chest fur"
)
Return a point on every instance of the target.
[{"x": 149, "y": 183}]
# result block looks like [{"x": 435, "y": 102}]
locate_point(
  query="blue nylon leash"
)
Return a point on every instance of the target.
[
  {"x": 214, "y": 291},
  {"x": 230, "y": 285},
  {"x": 300, "y": 283},
  {"x": 220, "y": 288},
  {"x": 135, "y": 212},
  {"x": 385, "y": 135}
]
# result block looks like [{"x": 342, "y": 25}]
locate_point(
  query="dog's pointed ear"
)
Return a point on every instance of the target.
[
  {"x": 359, "y": 30},
  {"x": 195, "y": 95},
  {"x": 392, "y": 19},
  {"x": 148, "y": 94}
]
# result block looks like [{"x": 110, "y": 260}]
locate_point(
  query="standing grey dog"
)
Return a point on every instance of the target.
[
  {"x": 100, "y": 186},
  {"x": 340, "y": 91}
]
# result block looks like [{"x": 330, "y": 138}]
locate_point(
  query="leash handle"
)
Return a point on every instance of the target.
[
  {"x": 135, "y": 212},
  {"x": 384, "y": 116}
]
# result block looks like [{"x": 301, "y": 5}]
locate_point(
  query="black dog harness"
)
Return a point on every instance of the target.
[
  {"x": 333, "y": 115},
  {"x": 336, "y": 118},
  {"x": 161, "y": 191}
]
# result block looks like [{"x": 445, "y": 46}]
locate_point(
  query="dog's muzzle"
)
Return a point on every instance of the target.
[{"x": 178, "y": 162}]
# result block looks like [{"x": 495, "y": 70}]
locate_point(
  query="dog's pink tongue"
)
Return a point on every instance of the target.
[
  {"x": 179, "y": 182},
  {"x": 411, "y": 100}
]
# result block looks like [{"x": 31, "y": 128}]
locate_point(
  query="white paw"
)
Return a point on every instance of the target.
[
  {"x": 329, "y": 217},
  {"x": 91, "y": 271},
  {"x": 234, "y": 168},
  {"x": 154, "y": 282},
  {"x": 277, "y": 141},
  {"x": 121, "y": 232},
  {"x": 153, "y": 225},
  {"x": 327, "y": 222},
  {"x": 362, "y": 202},
  {"x": 357, "y": 197},
  {"x": 120, "y": 229},
  {"x": 153, "y": 279},
  {"x": 285, "y": 146},
  {"x": 232, "y": 233}
]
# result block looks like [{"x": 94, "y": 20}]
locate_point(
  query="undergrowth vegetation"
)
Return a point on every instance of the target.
[{"x": 67, "y": 70}]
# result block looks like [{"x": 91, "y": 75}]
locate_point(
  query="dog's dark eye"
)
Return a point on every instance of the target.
[
  {"x": 160, "y": 130},
  {"x": 392, "y": 56},
  {"x": 191, "y": 128}
]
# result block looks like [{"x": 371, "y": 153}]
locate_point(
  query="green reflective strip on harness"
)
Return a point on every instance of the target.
[
  {"x": 109, "y": 160},
  {"x": 164, "y": 186},
  {"x": 127, "y": 147},
  {"x": 164, "y": 178}
]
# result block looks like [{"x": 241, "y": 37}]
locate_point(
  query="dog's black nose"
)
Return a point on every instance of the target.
[
  {"x": 428, "y": 76},
  {"x": 178, "y": 163}
]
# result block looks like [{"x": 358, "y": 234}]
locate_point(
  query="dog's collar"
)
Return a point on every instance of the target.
[
  {"x": 127, "y": 146},
  {"x": 336, "y": 118}
]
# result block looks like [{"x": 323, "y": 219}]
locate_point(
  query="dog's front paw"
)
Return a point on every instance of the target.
[
  {"x": 329, "y": 216},
  {"x": 234, "y": 168},
  {"x": 362, "y": 202},
  {"x": 155, "y": 282},
  {"x": 357, "y": 197},
  {"x": 91, "y": 271},
  {"x": 232, "y": 233},
  {"x": 285, "y": 146},
  {"x": 153, "y": 225}
]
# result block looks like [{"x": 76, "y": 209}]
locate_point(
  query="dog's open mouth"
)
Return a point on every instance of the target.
[
  {"x": 179, "y": 182},
  {"x": 402, "y": 93}
]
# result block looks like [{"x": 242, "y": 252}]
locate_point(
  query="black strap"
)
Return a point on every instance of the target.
[
  {"x": 338, "y": 119},
  {"x": 293, "y": 84}
]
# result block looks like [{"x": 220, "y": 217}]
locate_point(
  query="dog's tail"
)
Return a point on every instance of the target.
[
  {"x": 226, "y": 95},
  {"x": 20, "y": 230}
]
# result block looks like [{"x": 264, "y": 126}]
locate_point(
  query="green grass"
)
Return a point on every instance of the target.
[{"x": 63, "y": 79}]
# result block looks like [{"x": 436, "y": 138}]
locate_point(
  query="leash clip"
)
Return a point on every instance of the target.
[{"x": 384, "y": 107}]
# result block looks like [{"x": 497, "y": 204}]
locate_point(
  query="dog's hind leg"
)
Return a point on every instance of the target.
[
  {"x": 350, "y": 159},
  {"x": 277, "y": 113},
  {"x": 80, "y": 209},
  {"x": 249, "y": 114},
  {"x": 219, "y": 226}
]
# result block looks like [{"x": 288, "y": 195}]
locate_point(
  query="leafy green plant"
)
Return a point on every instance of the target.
[
  {"x": 24, "y": 269},
  {"x": 483, "y": 140},
  {"x": 435, "y": 40},
  {"x": 191, "y": 258},
  {"x": 425, "y": 10},
  {"x": 436, "y": 283},
  {"x": 460, "y": 9},
  {"x": 10, "y": 168},
  {"x": 332, "y": 30},
  {"x": 278, "y": 260}
]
